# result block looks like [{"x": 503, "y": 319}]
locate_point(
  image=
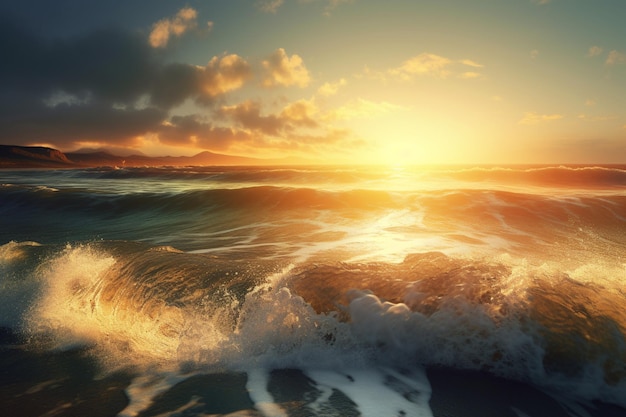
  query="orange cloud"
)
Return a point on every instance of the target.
[
  {"x": 330, "y": 89},
  {"x": 225, "y": 74},
  {"x": 423, "y": 64},
  {"x": 248, "y": 115},
  {"x": 301, "y": 113},
  {"x": 532, "y": 118},
  {"x": 162, "y": 30},
  {"x": 284, "y": 70},
  {"x": 195, "y": 132},
  {"x": 427, "y": 64}
]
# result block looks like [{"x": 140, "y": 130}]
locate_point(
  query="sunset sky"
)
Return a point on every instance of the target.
[{"x": 415, "y": 81}]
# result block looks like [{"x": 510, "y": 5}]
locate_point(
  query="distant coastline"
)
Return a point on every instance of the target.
[{"x": 18, "y": 157}]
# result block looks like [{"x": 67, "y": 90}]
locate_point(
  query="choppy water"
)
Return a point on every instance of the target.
[{"x": 316, "y": 291}]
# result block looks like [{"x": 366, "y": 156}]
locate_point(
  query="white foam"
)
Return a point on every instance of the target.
[
  {"x": 262, "y": 399},
  {"x": 145, "y": 388},
  {"x": 376, "y": 392}
]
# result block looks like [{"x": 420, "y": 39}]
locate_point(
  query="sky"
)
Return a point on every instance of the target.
[{"x": 338, "y": 81}]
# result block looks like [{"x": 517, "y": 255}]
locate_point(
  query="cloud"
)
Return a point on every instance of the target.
[
  {"x": 248, "y": 115},
  {"x": 333, "y": 4},
  {"x": 615, "y": 57},
  {"x": 272, "y": 6},
  {"x": 594, "y": 51},
  {"x": 67, "y": 93},
  {"x": 162, "y": 30},
  {"x": 174, "y": 83},
  {"x": 534, "y": 53},
  {"x": 225, "y": 74},
  {"x": 541, "y": 2},
  {"x": 282, "y": 70},
  {"x": 66, "y": 125},
  {"x": 300, "y": 113},
  {"x": 269, "y": 6},
  {"x": 194, "y": 131},
  {"x": 427, "y": 64},
  {"x": 532, "y": 118},
  {"x": 330, "y": 89},
  {"x": 248, "y": 129},
  {"x": 589, "y": 118},
  {"x": 423, "y": 64},
  {"x": 471, "y": 63}
]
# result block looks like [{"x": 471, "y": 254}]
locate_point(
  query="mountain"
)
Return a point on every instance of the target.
[
  {"x": 42, "y": 157},
  {"x": 32, "y": 157}
]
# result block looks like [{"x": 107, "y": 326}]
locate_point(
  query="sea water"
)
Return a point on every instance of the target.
[{"x": 313, "y": 291}]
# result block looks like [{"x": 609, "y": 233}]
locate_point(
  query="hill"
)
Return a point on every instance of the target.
[
  {"x": 43, "y": 157},
  {"x": 32, "y": 157}
]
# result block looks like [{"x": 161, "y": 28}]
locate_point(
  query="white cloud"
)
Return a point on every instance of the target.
[{"x": 162, "y": 30}]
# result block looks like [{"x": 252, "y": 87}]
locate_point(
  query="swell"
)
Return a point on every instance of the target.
[
  {"x": 265, "y": 197},
  {"x": 582, "y": 177},
  {"x": 586, "y": 177},
  {"x": 240, "y": 175},
  {"x": 580, "y": 227},
  {"x": 586, "y": 206}
]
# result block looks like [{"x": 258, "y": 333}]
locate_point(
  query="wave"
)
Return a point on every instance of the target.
[
  {"x": 31, "y": 197},
  {"x": 19, "y": 197},
  {"x": 561, "y": 331},
  {"x": 548, "y": 176},
  {"x": 579, "y": 228},
  {"x": 418, "y": 177}
]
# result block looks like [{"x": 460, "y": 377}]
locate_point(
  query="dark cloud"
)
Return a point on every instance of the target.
[
  {"x": 111, "y": 87},
  {"x": 108, "y": 85},
  {"x": 192, "y": 130},
  {"x": 114, "y": 66},
  {"x": 65, "y": 125},
  {"x": 248, "y": 115}
]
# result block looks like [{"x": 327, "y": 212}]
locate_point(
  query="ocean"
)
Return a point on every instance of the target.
[{"x": 313, "y": 291}]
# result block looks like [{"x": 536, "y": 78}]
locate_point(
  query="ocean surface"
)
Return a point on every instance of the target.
[{"x": 313, "y": 291}]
